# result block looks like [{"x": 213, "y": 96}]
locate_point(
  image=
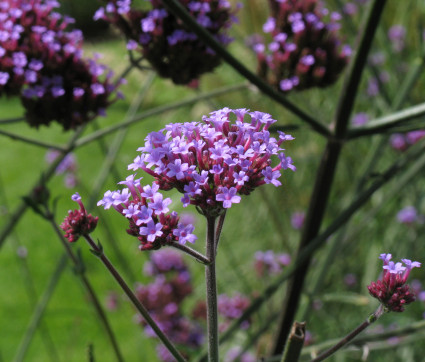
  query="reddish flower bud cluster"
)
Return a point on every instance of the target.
[
  {"x": 172, "y": 49},
  {"x": 304, "y": 51},
  {"x": 78, "y": 222},
  {"x": 392, "y": 291},
  {"x": 41, "y": 62}
]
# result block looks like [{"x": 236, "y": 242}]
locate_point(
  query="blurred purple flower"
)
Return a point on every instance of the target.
[
  {"x": 407, "y": 215},
  {"x": 397, "y": 35},
  {"x": 297, "y": 220},
  {"x": 360, "y": 119}
]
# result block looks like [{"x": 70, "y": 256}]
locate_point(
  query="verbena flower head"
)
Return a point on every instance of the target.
[
  {"x": 215, "y": 161},
  {"x": 78, "y": 222},
  {"x": 172, "y": 49},
  {"x": 392, "y": 290},
  {"x": 41, "y": 62},
  {"x": 148, "y": 214},
  {"x": 304, "y": 50}
]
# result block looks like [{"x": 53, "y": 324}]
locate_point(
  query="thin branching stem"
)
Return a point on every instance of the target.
[
  {"x": 31, "y": 141},
  {"x": 219, "y": 229},
  {"x": 413, "y": 328},
  {"x": 189, "y": 251},
  {"x": 372, "y": 318},
  {"x": 12, "y": 120},
  {"x": 98, "y": 251},
  {"x": 388, "y": 123}
]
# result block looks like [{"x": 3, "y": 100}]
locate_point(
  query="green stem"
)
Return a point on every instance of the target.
[
  {"x": 179, "y": 11},
  {"x": 387, "y": 123},
  {"x": 413, "y": 328},
  {"x": 372, "y": 318},
  {"x": 31, "y": 141},
  {"x": 12, "y": 120},
  {"x": 211, "y": 287},
  {"x": 295, "y": 343},
  {"x": 193, "y": 253},
  {"x": 219, "y": 229},
  {"x": 158, "y": 110},
  {"x": 98, "y": 251},
  {"x": 326, "y": 173},
  {"x": 39, "y": 309}
]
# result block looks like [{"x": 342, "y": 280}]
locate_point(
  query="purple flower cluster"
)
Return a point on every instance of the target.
[
  {"x": 68, "y": 167},
  {"x": 401, "y": 142},
  {"x": 171, "y": 48},
  {"x": 409, "y": 215},
  {"x": 148, "y": 214},
  {"x": 268, "y": 263},
  {"x": 41, "y": 62},
  {"x": 231, "y": 308},
  {"x": 392, "y": 290},
  {"x": 78, "y": 222},
  {"x": 304, "y": 50},
  {"x": 163, "y": 299},
  {"x": 214, "y": 161}
]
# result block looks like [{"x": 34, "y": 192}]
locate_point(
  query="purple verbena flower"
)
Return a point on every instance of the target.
[
  {"x": 148, "y": 214},
  {"x": 304, "y": 50},
  {"x": 228, "y": 196},
  {"x": 214, "y": 161},
  {"x": 186, "y": 57},
  {"x": 37, "y": 49}
]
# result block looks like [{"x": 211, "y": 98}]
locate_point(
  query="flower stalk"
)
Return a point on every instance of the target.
[
  {"x": 211, "y": 286},
  {"x": 372, "y": 318},
  {"x": 193, "y": 253}
]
